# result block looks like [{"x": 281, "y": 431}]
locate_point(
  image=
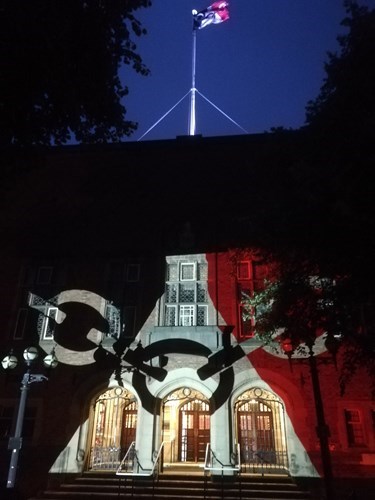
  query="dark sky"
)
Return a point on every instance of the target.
[{"x": 260, "y": 67}]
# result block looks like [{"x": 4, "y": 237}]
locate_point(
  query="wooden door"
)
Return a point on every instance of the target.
[
  {"x": 256, "y": 432},
  {"x": 194, "y": 431}
]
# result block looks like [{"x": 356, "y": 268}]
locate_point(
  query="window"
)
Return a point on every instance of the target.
[
  {"x": 354, "y": 428},
  {"x": 26, "y": 276},
  {"x": 6, "y": 418},
  {"x": 29, "y": 422},
  {"x": 247, "y": 322},
  {"x": 112, "y": 315},
  {"x": 243, "y": 270},
  {"x": 115, "y": 272},
  {"x": 133, "y": 272},
  {"x": 186, "y": 294},
  {"x": 187, "y": 271},
  {"x": 44, "y": 276},
  {"x": 21, "y": 321},
  {"x": 251, "y": 277},
  {"x": 7, "y": 421},
  {"x": 170, "y": 315},
  {"x": 129, "y": 321},
  {"x": 49, "y": 323},
  {"x": 246, "y": 314}
]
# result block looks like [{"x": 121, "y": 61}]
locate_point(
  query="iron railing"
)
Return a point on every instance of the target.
[
  {"x": 105, "y": 458},
  {"x": 212, "y": 463},
  {"x": 131, "y": 466}
]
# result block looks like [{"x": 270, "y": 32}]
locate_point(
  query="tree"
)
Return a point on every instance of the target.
[
  {"x": 299, "y": 305},
  {"x": 344, "y": 110},
  {"x": 59, "y": 64},
  {"x": 330, "y": 189}
]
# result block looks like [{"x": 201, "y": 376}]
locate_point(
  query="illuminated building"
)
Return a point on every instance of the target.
[{"x": 121, "y": 260}]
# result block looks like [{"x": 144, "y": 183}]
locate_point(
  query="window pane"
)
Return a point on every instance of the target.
[
  {"x": 116, "y": 272},
  {"x": 6, "y": 417},
  {"x": 187, "y": 271},
  {"x": 202, "y": 272},
  {"x": 49, "y": 323},
  {"x": 21, "y": 323},
  {"x": 187, "y": 292},
  {"x": 354, "y": 428},
  {"x": 201, "y": 292},
  {"x": 243, "y": 270},
  {"x": 171, "y": 293},
  {"x": 112, "y": 315},
  {"x": 29, "y": 422},
  {"x": 172, "y": 272},
  {"x": 170, "y": 316},
  {"x": 132, "y": 273},
  {"x": 247, "y": 322},
  {"x": 186, "y": 316},
  {"x": 202, "y": 315},
  {"x": 129, "y": 320},
  {"x": 44, "y": 276}
]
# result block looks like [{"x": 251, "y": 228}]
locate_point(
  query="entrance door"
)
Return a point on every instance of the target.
[
  {"x": 194, "y": 431},
  {"x": 114, "y": 427},
  {"x": 261, "y": 430},
  {"x": 256, "y": 431}
]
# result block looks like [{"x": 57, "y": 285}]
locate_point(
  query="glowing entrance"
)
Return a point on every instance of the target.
[
  {"x": 114, "y": 427},
  {"x": 261, "y": 430},
  {"x": 186, "y": 426}
]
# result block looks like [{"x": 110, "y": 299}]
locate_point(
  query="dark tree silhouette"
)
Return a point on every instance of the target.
[
  {"x": 326, "y": 253},
  {"x": 59, "y": 64},
  {"x": 345, "y": 107}
]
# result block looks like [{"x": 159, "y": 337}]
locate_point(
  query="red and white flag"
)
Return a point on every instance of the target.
[{"x": 216, "y": 13}]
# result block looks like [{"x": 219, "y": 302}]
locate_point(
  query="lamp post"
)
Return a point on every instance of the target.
[
  {"x": 30, "y": 354},
  {"x": 322, "y": 428}
]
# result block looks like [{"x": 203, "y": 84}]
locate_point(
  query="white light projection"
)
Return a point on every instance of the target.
[{"x": 76, "y": 322}]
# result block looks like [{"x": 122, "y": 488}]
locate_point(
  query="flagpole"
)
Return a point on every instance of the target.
[
  {"x": 216, "y": 13},
  {"x": 193, "y": 89}
]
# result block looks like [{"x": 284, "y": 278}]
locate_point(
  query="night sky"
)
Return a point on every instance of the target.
[{"x": 260, "y": 67}]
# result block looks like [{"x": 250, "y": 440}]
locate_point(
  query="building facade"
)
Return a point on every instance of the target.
[{"x": 157, "y": 360}]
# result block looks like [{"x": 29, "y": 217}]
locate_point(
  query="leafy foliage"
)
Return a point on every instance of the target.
[
  {"x": 59, "y": 64},
  {"x": 300, "y": 304}
]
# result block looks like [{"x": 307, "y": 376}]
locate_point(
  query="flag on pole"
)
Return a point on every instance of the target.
[{"x": 216, "y": 13}]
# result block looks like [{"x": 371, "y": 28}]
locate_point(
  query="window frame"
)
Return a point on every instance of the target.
[
  {"x": 133, "y": 269},
  {"x": 176, "y": 311},
  {"x": 44, "y": 269},
  {"x": 47, "y": 319},
  {"x": 249, "y": 274},
  {"x": 25, "y": 311},
  {"x": 184, "y": 265},
  {"x": 351, "y": 426},
  {"x": 187, "y": 311}
]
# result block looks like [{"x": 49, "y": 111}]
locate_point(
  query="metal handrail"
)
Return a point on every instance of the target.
[
  {"x": 134, "y": 468},
  {"x": 211, "y": 459},
  {"x": 156, "y": 462}
]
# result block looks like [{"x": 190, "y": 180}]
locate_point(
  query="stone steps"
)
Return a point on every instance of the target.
[{"x": 176, "y": 487}]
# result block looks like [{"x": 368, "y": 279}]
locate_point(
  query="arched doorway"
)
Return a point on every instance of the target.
[
  {"x": 260, "y": 430},
  {"x": 114, "y": 427},
  {"x": 186, "y": 427}
]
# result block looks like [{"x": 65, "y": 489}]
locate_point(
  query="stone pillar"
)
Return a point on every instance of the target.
[
  {"x": 221, "y": 441},
  {"x": 144, "y": 439}
]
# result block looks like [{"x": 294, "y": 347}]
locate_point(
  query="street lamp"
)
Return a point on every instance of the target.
[
  {"x": 322, "y": 428},
  {"x": 30, "y": 354}
]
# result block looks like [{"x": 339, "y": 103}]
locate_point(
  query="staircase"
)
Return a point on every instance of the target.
[{"x": 176, "y": 486}]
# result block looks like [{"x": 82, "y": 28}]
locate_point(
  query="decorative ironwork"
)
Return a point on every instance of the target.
[
  {"x": 261, "y": 431},
  {"x": 115, "y": 421},
  {"x": 112, "y": 315}
]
